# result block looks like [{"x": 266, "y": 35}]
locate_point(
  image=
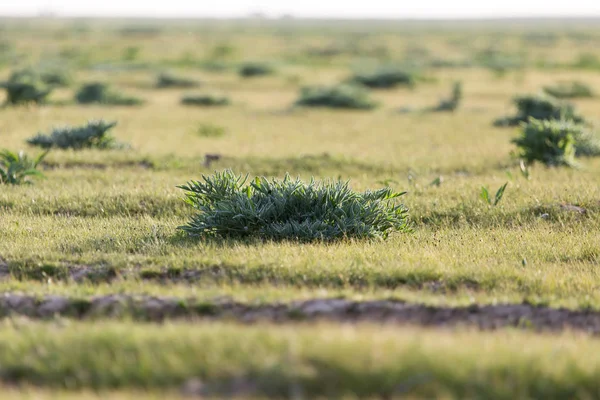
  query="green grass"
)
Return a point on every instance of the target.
[
  {"x": 322, "y": 360},
  {"x": 118, "y": 211}
]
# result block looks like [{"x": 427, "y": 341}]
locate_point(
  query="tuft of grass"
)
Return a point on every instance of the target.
[
  {"x": 384, "y": 78},
  {"x": 451, "y": 104},
  {"x": 101, "y": 93},
  {"x": 541, "y": 107},
  {"x": 253, "y": 69},
  {"x": 569, "y": 90},
  {"x": 94, "y": 134},
  {"x": 17, "y": 168},
  {"x": 291, "y": 209},
  {"x": 168, "y": 80},
  {"x": 556, "y": 142},
  {"x": 339, "y": 96},
  {"x": 210, "y": 130},
  {"x": 208, "y": 100}
]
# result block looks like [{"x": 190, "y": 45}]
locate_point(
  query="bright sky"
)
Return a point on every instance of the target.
[{"x": 306, "y": 8}]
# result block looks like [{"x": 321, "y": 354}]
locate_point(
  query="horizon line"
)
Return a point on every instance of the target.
[{"x": 283, "y": 16}]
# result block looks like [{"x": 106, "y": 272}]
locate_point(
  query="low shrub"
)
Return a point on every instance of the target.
[
  {"x": 554, "y": 142},
  {"x": 384, "y": 78},
  {"x": 542, "y": 107},
  {"x": 17, "y": 168},
  {"x": 339, "y": 96},
  {"x": 49, "y": 75},
  {"x": 452, "y": 103},
  {"x": 167, "y": 80},
  {"x": 252, "y": 69},
  {"x": 210, "y": 130},
  {"x": 101, "y": 93},
  {"x": 94, "y": 134},
  {"x": 205, "y": 100},
  {"x": 569, "y": 90},
  {"x": 26, "y": 86},
  {"x": 290, "y": 209}
]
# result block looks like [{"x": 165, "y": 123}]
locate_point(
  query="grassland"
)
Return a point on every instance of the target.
[{"x": 104, "y": 222}]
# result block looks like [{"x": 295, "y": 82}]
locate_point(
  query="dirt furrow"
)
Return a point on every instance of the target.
[{"x": 486, "y": 317}]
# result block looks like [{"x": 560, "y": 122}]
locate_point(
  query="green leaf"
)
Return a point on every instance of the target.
[
  {"x": 485, "y": 195},
  {"x": 500, "y": 193}
]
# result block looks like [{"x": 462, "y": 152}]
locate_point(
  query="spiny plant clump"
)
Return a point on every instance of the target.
[
  {"x": 210, "y": 130},
  {"x": 17, "y": 168},
  {"x": 339, "y": 96},
  {"x": 290, "y": 209},
  {"x": 24, "y": 87},
  {"x": 101, "y": 93},
  {"x": 556, "y": 143},
  {"x": 542, "y": 107},
  {"x": 569, "y": 90},
  {"x": 252, "y": 69},
  {"x": 168, "y": 80},
  {"x": 208, "y": 100},
  {"x": 384, "y": 78},
  {"x": 452, "y": 103},
  {"x": 94, "y": 134},
  {"x": 52, "y": 76}
]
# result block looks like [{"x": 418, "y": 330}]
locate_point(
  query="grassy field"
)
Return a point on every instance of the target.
[{"x": 101, "y": 228}]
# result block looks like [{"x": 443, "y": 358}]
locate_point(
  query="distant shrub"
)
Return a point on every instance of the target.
[
  {"x": 56, "y": 78},
  {"x": 17, "y": 168},
  {"x": 569, "y": 90},
  {"x": 92, "y": 135},
  {"x": 205, "y": 100},
  {"x": 452, "y": 103},
  {"x": 541, "y": 106},
  {"x": 26, "y": 86},
  {"x": 131, "y": 53},
  {"x": 209, "y": 130},
  {"x": 587, "y": 61},
  {"x": 140, "y": 31},
  {"x": 290, "y": 209},
  {"x": 384, "y": 78},
  {"x": 53, "y": 77},
  {"x": 101, "y": 93},
  {"x": 498, "y": 61},
  {"x": 339, "y": 96},
  {"x": 167, "y": 80},
  {"x": 253, "y": 69},
  {"x": 554, "y": 142}
]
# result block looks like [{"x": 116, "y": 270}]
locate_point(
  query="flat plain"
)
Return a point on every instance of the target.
[{"x": 103, "y": 296}]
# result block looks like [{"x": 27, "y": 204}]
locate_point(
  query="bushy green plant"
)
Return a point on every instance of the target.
[
  {"x": 205, "y": 100},
  {"x": 542, "y": 107},
  {"x": 26, "y": 86},
  {"x": 384, "y": 78},
  {"x": 252, "y": 69},
  {"x": 94, "y": 134},
  {"x": 17, "y": 168},
  {"x": 587, "y": 61},
  {"x": 452, "y": 103},
  {"x": 101, "y": 93},
  {"x": 569, "y": 90},
  {"x": 556, "y": 142},
  {"x": 339, "y": 96},
  {"x": 210, "y": 130},
  {"x": 49, "y": 75},
  {"x": 290, "y": 209},
  {"x": 167, "y": 80}
]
